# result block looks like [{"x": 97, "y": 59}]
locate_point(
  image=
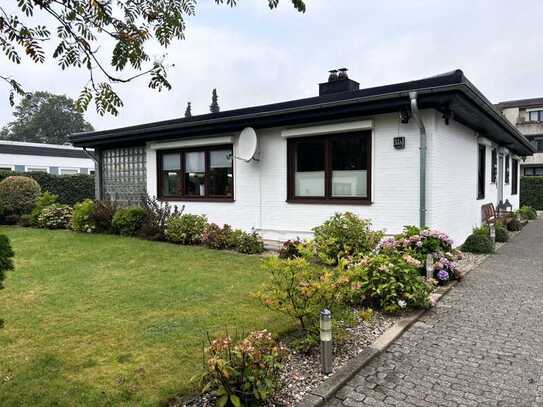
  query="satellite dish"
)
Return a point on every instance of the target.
[{"x": 247, "y": 144}]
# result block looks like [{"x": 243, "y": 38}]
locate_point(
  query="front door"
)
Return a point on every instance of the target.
[{"x": 500, "y": 179}]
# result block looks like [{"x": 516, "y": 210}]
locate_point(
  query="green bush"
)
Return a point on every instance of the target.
[
  {"x": 6, "y": 261},
  {"x": 25, "y": 220},
  {"x": 81, "y": 219},
  {"x": 216, "y": 237},
  {"x": 514, "y": 225},
  {"x": 388, "y": 281},
  {"x": 531, "y": 192},
  {"x": 299, "y": 289},
  {"x": 234, "y": 238},
  {"x": 69, "y": 188},
  {"x": 290, "y": 249},
  {"x": 478, "y": 243},
  {"x": 250, "y": 243},
  {"x": 186, "y": 229},
  {"x": 501, "y": 233},
  {"x": 127, "y": 221},
  {"x": 157, "y": 215},
  {"x": 242, "y": 372},
  {"x": 18, "y": 195},
  {"x": 344, "y": 235},
  {"x": 44, "y": 200},
  {"x": 527, "y": 213},
  {"x": 102, "y": 216},
  {"x": 55, "y": 216}
]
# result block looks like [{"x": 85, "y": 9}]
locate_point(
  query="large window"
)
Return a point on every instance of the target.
[
  {"x": 533, "y": 171},
  {"x": 481, "y": 173},
  {"x": 196, "y": 174},
  {"x": 514, "y": 174},
  {"x": 333, "y": 168}
]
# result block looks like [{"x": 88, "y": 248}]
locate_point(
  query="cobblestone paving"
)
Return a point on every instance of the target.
[{"x": 481, "y": 346}]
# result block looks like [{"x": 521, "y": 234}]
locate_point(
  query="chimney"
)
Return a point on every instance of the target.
[{"x": 338, "y": 82}]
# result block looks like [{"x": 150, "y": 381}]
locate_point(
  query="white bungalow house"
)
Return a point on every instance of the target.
[{"x": 428, "y": 152}]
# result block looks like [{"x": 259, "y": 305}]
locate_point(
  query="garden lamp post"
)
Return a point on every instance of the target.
[{"x": 326, "y": 341}]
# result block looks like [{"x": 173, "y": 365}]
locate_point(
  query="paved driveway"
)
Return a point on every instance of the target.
[{"x": 481, "y": 346}]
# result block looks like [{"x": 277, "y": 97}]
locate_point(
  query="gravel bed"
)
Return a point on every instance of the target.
[{"x": 301, "y": 372}]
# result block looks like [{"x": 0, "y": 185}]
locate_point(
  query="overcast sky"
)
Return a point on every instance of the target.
[{"x": 255, "y": 56}]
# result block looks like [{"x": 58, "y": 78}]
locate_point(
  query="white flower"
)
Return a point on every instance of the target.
[{"x": 402, "y": 303}]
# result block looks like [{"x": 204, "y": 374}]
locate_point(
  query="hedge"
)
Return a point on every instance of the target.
[
  {"x": 531, "y": 192},
  {"x": 69, "y": 188}
]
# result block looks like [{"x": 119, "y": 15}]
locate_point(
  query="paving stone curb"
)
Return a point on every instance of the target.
[{"x": 326, "y": 391}]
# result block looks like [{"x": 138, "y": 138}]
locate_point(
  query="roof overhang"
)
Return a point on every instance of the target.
[{"x": 467, "y": 104}]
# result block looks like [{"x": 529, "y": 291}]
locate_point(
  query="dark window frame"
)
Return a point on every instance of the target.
[
  {"x": 181, "y": 172},
  {"x": 507, "y": 168},
  {"x": 481, "y": 171},
  {"x": 514, "y": 174},
  {"x": 327, "y": 198},
  {"x": 494, "y": 166}
]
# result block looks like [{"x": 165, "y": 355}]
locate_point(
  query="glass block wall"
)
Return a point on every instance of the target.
[{"x": 124, "y": 175}]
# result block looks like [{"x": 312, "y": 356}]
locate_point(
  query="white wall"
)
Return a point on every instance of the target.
[
  {"x": 261, "y": 187},
  {"x": 452, "y": 180},
  {"x": 11, "y": 160}
]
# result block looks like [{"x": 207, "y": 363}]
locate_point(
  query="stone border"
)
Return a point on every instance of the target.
[{"x": 327, "y": 390}]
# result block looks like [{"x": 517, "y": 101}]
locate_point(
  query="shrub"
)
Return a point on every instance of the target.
[
  {"x": 56, "y": 216},
  {"x": 343, "y": 235},
  {"x": 290, "y": 249},
  {"x": 12, "y": 219},
  {"x": 527, "y": 213},
  {"x": 478, "y": 243},
  {"x": 244, "y": 373},
  {"x": 216, "y": 237},
  {"x": 391, "y": 282},
  {"x": 299, "y": 289},
  {"x": 250, "y": 243},
  {"x": 445, "y": 268},
  {"x": 514, "y": 225},
  {"x": 18, "y": 195},
  {"x": 6, "y": 261},
  {"x": 234, "y": 238},
  {"x": 531, "y": 192},
  {"x": 102, "y": 216},
  {"x": 501, "y": 233},
  {"x": 186, "y": 229},
  {"x": 25, "y": 220},
  {"x": 81, "y": 221},
  {"x": 69, "y": 188},
  {"x": 44, "y": 200},
  {"x": 127, "y": 221},
  {"x": 157, "y": 215}
]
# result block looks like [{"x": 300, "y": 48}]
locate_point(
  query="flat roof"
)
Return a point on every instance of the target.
[
  {"x": 39, "y": 149},
  {"x": 451, "y": 91},
  {"x": 522, "y": 103}
]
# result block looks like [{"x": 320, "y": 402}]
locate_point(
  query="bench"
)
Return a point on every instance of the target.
[{"x": 488, "y": 213}]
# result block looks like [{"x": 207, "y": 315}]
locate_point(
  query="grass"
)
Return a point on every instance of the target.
[{"x": 101, "y": 320}]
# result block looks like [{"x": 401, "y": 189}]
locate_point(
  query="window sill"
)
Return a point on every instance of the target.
[
  {"x": 189, "y": 199},
  {"x": 330, "y": 201}
]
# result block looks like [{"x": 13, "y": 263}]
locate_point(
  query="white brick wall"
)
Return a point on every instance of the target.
[{"x": 261, "y": 187}]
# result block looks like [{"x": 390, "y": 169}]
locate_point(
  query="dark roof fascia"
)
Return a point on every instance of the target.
[
  {"x": 381, "y": 103},
  {"x": 41, "y": 151}
]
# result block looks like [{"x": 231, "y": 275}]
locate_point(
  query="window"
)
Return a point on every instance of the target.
[
  {"x": 36, "y": 169},
  {"x": 507, "y": 169},
  {"x": 481, "y": 172},
  {"x": 533, "y": 171},
  {"x": 494, "y": 170},
  {"x": 334, "y": 168},
  {"x": 203, "y": 174},
  {"x": 6, "y": 168},
  {"x": 514, "y": 181},
  {"x": 535, "y": 116},
  {"x": 69, "y": 171}
]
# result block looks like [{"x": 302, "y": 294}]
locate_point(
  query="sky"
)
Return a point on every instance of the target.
[{"x": 254, "y": 55}]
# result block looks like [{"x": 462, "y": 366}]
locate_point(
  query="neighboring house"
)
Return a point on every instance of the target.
[
  {"x": 527, "y": 116},
  {"x": 50, "y": 158},
  {"x": 427, "y": 152}
]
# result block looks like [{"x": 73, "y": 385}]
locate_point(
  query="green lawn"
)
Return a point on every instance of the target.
[{"x": 106, "y": 320}]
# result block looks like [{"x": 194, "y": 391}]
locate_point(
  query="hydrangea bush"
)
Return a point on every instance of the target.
[{"x": 55, "y": 216}]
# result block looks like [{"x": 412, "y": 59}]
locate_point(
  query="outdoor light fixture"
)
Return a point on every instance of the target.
[{"x": 326, "y": 341}]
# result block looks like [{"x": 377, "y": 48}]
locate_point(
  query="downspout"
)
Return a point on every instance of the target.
[{"x": 422, "y": 157}]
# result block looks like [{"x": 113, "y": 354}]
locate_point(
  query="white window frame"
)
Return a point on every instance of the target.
[
  {"x": 61, "y": 170},
  {"x": 11, "y": 167},
  {"x": 36, "y": 168}
]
